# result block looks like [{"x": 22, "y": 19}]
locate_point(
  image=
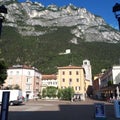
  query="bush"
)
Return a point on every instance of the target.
[{"x": 66, "y": 94}]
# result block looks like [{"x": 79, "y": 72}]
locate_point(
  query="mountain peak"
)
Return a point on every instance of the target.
[{"x": 83, "y": 24}]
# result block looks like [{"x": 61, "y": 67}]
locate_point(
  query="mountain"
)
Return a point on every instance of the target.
[
  {"x": 27, "y": 17},
  {"x": 34, "y": 34}
]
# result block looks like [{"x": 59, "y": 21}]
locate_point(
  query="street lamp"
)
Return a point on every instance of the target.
[
  {"x": 3, "y": 11},
  {"x": 116, "y": 10}
]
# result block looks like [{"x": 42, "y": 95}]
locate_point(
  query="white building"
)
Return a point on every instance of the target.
[
  {"x": 116, "y": 74},
  {"x": 110, "y": 81},
  {"x": 113, "y": 75},
  {"x": 26, "y": 77},
  {"x": 49, "y": 80},
  {"x": 88, "y": 72}
]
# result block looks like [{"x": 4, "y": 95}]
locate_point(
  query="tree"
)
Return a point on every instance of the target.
[
  {"x": 44, "y": 92},
  {"x": 3, "y": 72},
  {"x": 17, "y": 87},
  {"x": 66, "y": 94},
  {"x": 11, "y": 87},
  {"x": 59, "y": 95},
  {"x": 51, "y": 91}
]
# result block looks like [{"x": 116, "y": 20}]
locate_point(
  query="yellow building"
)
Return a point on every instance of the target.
[{"x": 73, "y": 76}]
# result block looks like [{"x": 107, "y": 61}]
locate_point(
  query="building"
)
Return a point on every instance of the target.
[
  {"x": 88, "y": 71},
  {"x": 116, "y": 74},
  {"x": 73, "y": 76},
  {"x": 26, "y": 77},
  {"x": 49, "y": 80},
  {"x": 111, "y": 76},
  {"x": 96, "y": 86},
  {"x": 108, "y": 82},
  {"x": 106, "y": 78}
]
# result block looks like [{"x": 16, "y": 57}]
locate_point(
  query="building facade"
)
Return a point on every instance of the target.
[
  {"x": 49, "y": 80},
  {"x": 26, "y": 77},
  {"x": 116, "y": 74},
  {"x": 111, "y": 75},
  {"x": 73, "y": 76},
  {"x": 108, "y": 83},
  {"x": 106, "y": 78},
  {"x": 96, "y": 86},
  {"x": 88, "y": 71}
]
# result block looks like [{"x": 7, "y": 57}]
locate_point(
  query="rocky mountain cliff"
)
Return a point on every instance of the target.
[{"x": 29, "y": 16}]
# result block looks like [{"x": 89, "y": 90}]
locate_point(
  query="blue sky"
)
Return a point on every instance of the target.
[{"x": 102, "y": 8}]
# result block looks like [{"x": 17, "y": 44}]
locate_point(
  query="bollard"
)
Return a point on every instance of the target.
[{"x": 117, "y": 108}]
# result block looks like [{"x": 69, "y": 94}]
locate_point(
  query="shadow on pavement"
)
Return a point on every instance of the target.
[{"x": 66, "y": 112}]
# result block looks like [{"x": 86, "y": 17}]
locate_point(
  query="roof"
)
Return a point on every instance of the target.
[
  {"x": 97, "y": 76},
  {"x": 70, "y": 67},
  {"x": 23, "y": 67},
  {"x": 49, "y": 77}
]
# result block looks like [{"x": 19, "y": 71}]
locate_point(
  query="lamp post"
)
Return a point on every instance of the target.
[
  {"x": 116, "y": 10},
  {"x": 3, "y": 11}
]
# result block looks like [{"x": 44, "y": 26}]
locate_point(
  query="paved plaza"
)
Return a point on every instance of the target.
[{"x": 58, "y": 110}]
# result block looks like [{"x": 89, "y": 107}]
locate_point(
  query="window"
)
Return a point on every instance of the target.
[
  {"x": 63, "y": 80},
  {"x": 77, "y": 73},
  {"x": 49, "y": 83},
  {"x": 17, "y": 72},
  {"x": 77, "y": 79},
  {"x": 28, "y": 72},
  {"x": 76, "y": 88},
  {"x": 27, "y": 87},
  {"x": 11, "y": 72},
  {"x": 70, "y": 80},
  {"x": 70, "y": 73},
  {"x": 28, "y": 80},
  {"x": 63, "y": 73}
]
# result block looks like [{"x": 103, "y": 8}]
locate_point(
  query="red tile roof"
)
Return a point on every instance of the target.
[{"x": 49, "y": 77}]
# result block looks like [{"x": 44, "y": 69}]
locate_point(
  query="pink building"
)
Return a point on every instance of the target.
[{"x": 28, "y": 78}]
